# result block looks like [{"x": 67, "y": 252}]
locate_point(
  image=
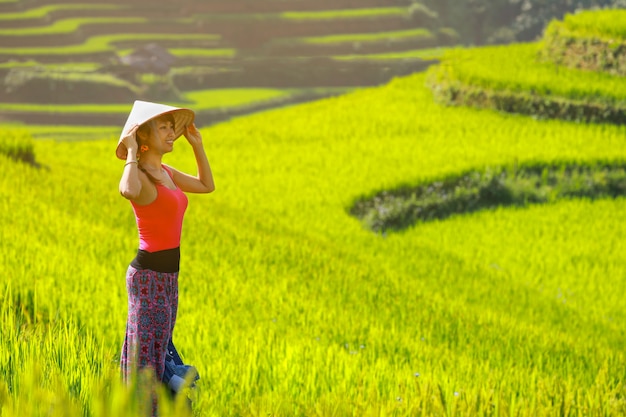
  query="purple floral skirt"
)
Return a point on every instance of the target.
[{"x": 152, "y": 307}]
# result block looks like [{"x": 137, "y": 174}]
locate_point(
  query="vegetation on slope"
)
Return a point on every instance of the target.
[
  {"x": 208, "y": 49},
  {"x": 544, "y": 79},
  {"x": 593, "y": 41},
  {"x": 289, "y": 306},
  {"x": 398, "y": 209},
  {"x": 17, "y": 144}
]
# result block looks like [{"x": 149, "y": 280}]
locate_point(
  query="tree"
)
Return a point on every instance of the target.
[
  {"x": 502, "y": 21},
  {"x": 534, "y": 15}
]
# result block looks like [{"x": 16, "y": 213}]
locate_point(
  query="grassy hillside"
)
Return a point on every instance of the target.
[
  {"x": 53, "y": 50},
  {"x": 590, "y": 40},
  {"x": 517, "y": 79},
  {"x": 574, "y": 73},
  {"x": 290, "y": 307}
]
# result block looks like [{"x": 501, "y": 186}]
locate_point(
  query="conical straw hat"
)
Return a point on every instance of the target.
[{"x": 144, "y": 111}]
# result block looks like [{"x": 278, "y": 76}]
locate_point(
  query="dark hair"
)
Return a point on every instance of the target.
[
  {"x": 146, "y": 130},
  {"x": 146, "y": 127}
]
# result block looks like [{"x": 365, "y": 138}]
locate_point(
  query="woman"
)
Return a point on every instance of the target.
[{"x": 156, "y": 193}]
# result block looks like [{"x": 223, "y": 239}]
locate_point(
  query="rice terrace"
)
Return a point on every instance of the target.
[{"x": 405, "y": 223}]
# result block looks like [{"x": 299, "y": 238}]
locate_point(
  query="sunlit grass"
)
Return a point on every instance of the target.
[
  {"x": 43, "y": 11},
  {"x": 426, "y": 54},
  {"x": 601, "y": 24},
  {"x": 198, "y": 100},
  {"x": 343, "y": 14},
  {"x": 289, "y": 306},
  {"x": 68, "y": 25},
  {"x": 203, "y": 52},
  {"x": 105, "y": 43},
  {"x": 65, "y": 67},
  {"x": 210, "y": 99},
  {"x": 17, "y": 144},
  {"x": 355, "y": 13},
  {"x": 72, "y": 133},
  {"x": 520, "y": 68},
  {"x": 367, "y": 37}
]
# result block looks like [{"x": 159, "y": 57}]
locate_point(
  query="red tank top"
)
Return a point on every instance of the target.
[{"x": 160, "y": 223}]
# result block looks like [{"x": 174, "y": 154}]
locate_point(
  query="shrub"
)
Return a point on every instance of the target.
[{"x": 17, "y": 144}]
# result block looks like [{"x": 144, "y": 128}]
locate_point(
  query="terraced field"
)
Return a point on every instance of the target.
[
  {"x": 299, "y": 49},
  {"x": 574, "y": 73},
  {"x": 294, "y": 304}
]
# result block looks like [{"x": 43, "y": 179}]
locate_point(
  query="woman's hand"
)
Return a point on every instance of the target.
[
  {"x": 192, "y": 134},
  {"x": 203, "y": 181},
  {"x": 130, "y": 139}
]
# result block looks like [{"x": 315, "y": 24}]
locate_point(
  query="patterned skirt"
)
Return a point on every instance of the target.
[{"x": 152, "y": 307}]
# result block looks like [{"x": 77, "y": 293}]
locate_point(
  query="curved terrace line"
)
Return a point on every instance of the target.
[{"x": 395, "y": 210}]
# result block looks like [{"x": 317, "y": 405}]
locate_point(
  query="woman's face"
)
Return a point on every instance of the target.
[{"x": 161, "y": 138}]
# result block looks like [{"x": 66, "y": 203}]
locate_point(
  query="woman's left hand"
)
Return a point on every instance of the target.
[{"x": 192, "y": 134}]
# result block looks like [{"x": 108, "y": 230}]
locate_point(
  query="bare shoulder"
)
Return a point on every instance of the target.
[
  {"x": 174, "y": 174},
  {"x": 148, "y": 190},
  {"x": 171, "y": 170}
]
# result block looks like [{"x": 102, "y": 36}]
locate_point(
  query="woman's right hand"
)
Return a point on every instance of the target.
[{"x": 130, "y": 138}]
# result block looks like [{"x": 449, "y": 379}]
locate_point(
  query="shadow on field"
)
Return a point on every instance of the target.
[{"x": 395, "y": 210}]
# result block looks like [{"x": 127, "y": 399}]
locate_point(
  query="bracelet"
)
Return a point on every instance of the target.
[{"x": 131, "y": 162}]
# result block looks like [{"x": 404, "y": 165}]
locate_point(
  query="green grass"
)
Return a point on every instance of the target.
[
  {"x": 198, "y": 100},
  {"x": 71, "y": 133},
  {"x": 203, "y": 52},
  {"x": 43, "y": 11},
  {"x": 367, "y": 37},
  {"x": 64, "y": 67},
  {"x": 210, "y": 99},
  {"x": 427, "y": 54},
  {"x": 289, "y": 307},
  {"x": 356, "y": 13},
  {"x": 393, "y": 210},
  {"x": 68, "y": 25},
  {"x": 518, "y": 68},
  {"x": 84, "y": 74},
  {"x": 154, "y": 37},
  {"x": 17, "y": 144},
  {"x": 600, "y": 24},
  {"x": 105, "y": 43},
  {"x": 345, "y": 14}
]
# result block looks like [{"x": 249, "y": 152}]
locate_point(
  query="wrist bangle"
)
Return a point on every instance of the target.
[{"x": 131, "y": 162}]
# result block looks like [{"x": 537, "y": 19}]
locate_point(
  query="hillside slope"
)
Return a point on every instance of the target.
[
  {"x": 288, "y": 306},
  {"x": 59, "y": 53}
]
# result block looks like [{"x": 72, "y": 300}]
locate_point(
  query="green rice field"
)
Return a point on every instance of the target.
[
  {"x": 44, "y": 11},
  {"x": 368, "y": 37},
  {"x": 522, "y": 69},
  {"x": 598, "y": 24},
  {"x": 426, "y": 54},
  {"x": 65, "y": 46},
  {"x": 105, "y": 43},
  {"x": 348, "y": 13},
  {"x": 67, "y": 26},
  {"x": 199, "y": 100},
  {"x": 291, "y": 306}
]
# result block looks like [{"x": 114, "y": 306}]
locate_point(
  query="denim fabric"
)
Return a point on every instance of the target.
[{"x": 176, "y": 372}]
